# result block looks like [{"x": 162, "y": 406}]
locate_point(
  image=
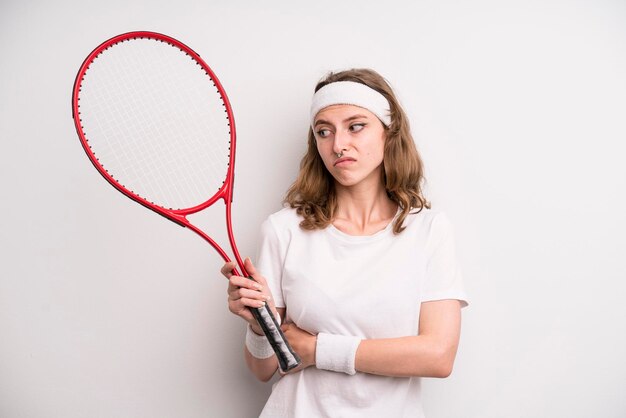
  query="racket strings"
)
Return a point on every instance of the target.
[{"x": 156, "y": 122}]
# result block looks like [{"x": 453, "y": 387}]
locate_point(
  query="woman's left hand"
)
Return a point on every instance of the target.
[{"x": 303, "y": 343}]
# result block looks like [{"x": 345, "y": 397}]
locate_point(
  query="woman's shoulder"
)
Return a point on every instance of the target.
[
  {"x": 425, "y": 214},
  {"x": 431, "y": 219},
  {"x": 285, "y": 217}
]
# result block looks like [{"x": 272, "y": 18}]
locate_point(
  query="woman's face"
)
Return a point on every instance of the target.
[{"x": 357, "y": 134}]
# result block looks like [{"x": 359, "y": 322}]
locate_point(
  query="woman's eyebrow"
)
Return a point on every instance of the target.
[
  {"x": 322, "y": 121},
  {"x": 355, "y": 117}
]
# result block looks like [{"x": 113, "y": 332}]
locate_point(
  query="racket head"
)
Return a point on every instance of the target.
[{"x": 156, "y": 123}]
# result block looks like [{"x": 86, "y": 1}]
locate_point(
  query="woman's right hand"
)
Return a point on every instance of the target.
[{"x": 244, "y": 293}]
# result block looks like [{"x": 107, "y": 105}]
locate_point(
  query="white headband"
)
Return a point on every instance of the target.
[{"x": 351, "y": 93}]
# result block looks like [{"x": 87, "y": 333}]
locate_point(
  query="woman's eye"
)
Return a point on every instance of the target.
[
  {"x": 356, "y": 127},
  {"x": 323, "y": 133}
]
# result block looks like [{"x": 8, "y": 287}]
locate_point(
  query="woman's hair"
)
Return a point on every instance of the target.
[{"x": 313, "y": 193}]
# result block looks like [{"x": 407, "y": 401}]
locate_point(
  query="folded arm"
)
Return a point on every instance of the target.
[{"x": 429, "y": 354}]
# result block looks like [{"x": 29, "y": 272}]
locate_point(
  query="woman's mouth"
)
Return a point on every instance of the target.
[{"x": 344, "y": 161}]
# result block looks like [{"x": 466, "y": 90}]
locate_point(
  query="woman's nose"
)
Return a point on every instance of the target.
[{"x": 341, "y": 141}]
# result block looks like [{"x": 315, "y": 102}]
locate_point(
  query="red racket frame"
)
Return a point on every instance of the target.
[
  {"x": 287, "y": 358},
  {"x": 176, "y": 215}
]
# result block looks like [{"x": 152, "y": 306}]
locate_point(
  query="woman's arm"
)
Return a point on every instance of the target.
[
  {"x": 429, "y": 354},
  {"x": 244, "y": 293},
  {"x": 263, "y": 369}
]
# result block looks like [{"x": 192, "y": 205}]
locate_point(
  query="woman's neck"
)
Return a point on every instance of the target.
[{"x": 363, "y": 209}]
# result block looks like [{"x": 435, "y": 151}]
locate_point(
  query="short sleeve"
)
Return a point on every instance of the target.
[
  {"x": 270, "y": 259},
  {"x": 444, "y": 279}
]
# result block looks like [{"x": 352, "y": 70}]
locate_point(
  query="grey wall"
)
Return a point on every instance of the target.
[{"x": 108, "y": 310}]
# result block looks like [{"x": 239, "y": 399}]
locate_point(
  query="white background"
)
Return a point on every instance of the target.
[{"x": 108, "y": 310}]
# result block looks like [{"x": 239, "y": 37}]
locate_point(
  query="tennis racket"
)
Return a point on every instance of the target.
[{"x": 156, "y": 123}]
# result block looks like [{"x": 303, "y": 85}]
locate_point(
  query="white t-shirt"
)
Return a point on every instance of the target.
[{"x": 367, "y": 286}]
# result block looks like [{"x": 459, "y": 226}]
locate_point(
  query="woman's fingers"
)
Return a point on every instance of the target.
[
  {"x": 252, "y": 271},
  {"x": 238, "y": 308},
  {"x": 241, "y": 293},
  {"x": 252, "y": 303},
  {"x": 244, "y": 293},
  {"x": 227, "y": 269},
  {"x": 238, "y": 281},
  {"x": 257, "y": 283}
]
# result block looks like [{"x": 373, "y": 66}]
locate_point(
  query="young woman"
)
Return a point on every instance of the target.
[{"x": 360, "y": 269}]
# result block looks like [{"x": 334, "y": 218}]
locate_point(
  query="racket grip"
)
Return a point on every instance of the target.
[{"x": 287, "y": 358}]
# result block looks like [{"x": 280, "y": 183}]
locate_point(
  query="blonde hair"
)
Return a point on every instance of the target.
[{"x": 313, "y": 193}]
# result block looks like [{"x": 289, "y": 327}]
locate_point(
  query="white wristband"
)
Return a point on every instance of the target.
[
  {"x": 258, "y": 345},
  {"x": 336, "y": 352}
]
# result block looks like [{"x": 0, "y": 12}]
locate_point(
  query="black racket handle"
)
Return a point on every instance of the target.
[{"x": 287, "y": 358}]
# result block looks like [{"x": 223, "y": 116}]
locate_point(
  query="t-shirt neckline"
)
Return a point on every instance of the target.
[{"x": 386, "y": 231}]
